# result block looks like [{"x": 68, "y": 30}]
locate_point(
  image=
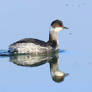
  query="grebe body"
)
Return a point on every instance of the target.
[
  {"x": 30, "y": 45},
  {"x": 35, "y": 46}
]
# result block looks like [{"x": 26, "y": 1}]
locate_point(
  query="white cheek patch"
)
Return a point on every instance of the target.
[
  {"x": 57, "y": 73},
  {"x": 57, "y": 29}
]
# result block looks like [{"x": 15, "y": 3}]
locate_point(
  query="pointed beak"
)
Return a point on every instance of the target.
[
  {"x": 66, "y": 28},
  {"x": 66, "y": 74}
]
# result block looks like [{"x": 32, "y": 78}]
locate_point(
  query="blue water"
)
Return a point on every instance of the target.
[{"x": 31, "y": 18}]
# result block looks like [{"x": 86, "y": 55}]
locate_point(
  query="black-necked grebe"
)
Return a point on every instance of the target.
[
  {"x": 37, "y": 60},
  {"x": 35, "y": 46}
]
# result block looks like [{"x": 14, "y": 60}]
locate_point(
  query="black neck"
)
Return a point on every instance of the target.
[
  {"x": 53, "y": 39},
  {"x": 54, "y": 64}
]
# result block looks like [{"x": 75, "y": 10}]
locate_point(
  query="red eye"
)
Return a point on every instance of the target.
[{"x": 59, "y": 26}]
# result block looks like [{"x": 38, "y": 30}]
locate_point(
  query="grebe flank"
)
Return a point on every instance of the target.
[{"x": 35, "y": 46}]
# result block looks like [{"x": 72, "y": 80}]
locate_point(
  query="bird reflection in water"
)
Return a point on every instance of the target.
[
  {"x": 37, "y": 60},
  {"x": 56, "y": 73}
]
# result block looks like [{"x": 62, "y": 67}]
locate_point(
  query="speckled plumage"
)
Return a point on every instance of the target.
[{"x": 30, "y": 45}]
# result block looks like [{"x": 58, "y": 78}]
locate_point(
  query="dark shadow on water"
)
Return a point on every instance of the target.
[
  {"x": 4, "y": 53},
  {"x": 61, "y": 51},
  {"x": 29, "y": 60}
]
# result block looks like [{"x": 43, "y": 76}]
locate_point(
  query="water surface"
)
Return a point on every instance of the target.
[{"x": 23, "y": 19}]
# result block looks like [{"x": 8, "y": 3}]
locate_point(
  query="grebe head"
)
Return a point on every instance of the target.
[
  {"x": 58, "y": 76},
  {"x": 57, "y": 25}
]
